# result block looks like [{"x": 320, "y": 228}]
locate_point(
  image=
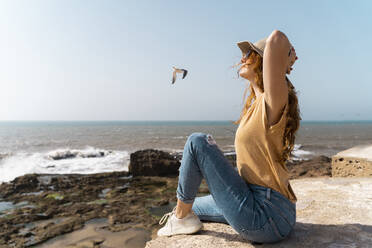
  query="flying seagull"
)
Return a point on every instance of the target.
[{"x": 176, "y": 70}]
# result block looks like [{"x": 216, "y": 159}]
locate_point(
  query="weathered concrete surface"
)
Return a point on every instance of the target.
[
  {"x": 331, "y": 212},
  {"x": 353, "y": 162}
]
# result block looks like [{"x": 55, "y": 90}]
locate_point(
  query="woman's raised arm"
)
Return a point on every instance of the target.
[{"x": 277, "y": 61}]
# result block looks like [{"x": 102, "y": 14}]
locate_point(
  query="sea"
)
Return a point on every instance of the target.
[{"x": 86, "y": 147}]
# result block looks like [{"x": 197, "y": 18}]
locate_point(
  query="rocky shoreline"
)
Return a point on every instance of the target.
[{"x": 105, "y": 209}]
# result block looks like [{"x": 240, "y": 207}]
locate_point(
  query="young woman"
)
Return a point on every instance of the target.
[{"x": 256, "y": 199}]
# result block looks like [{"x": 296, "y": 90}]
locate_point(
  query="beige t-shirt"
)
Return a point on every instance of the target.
[{"x": 258, "y": 149}]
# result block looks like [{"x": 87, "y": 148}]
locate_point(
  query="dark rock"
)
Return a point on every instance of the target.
[
  {"x": 27, "y": 183},
  {"x": 67, "y": 154},
  {"x": 53, "y": 229},
  {"x": 319, "y": 166},
  {"x": 62, "y": 156},
  {"x": 232, "y": 159},
  {"x": 177, "y": 155},
  {"x": 58, "y": 204},
  {"x": 152, "y": 162}
]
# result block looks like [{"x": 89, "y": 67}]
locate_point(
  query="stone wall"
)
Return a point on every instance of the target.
[{"x": 353, "y": 162}]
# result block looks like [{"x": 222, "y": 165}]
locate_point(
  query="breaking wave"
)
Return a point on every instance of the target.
[{"x": 63, "y": 161}]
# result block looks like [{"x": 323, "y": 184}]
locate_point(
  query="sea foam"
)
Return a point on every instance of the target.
[
  {"x": 299, "y": 154},
  {"x": 63, "y": 161}
]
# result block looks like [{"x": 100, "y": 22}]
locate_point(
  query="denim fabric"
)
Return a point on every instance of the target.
[{"x": 257, "y": 213}]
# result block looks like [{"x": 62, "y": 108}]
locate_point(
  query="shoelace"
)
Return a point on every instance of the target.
[{"x": 166, "y": 216}]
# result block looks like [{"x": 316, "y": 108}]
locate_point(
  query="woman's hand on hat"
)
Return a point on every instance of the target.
[{"x": 292, "y": 57}]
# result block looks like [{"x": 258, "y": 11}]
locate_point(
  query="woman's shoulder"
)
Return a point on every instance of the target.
[{"x": 275, "y": 110}]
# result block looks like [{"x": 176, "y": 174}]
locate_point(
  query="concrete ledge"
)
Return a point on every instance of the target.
[
  {"x": 331, "y": 212},
  {"x": 353, "y": 162}
]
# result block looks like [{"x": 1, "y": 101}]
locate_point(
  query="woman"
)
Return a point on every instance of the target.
[{"x": 257, "y": 199}]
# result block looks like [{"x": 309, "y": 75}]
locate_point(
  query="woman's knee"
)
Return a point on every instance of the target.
[{"x": 197, "y": 138}]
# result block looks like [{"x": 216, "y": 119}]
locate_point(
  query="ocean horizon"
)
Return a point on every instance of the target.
[{"x": 177, "y": 122}]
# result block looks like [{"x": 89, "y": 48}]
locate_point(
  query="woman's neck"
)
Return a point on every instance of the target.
[{"x": 256, "y": 89}]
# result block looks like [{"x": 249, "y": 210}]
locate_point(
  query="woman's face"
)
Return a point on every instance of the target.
[{"x": 246, "y": 70}]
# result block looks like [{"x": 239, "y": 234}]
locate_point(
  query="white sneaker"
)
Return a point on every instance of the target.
[{"x": 187, "y": 225}]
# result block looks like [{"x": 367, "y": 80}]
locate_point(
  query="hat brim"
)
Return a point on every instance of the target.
[{"x": 245, "y": 46}]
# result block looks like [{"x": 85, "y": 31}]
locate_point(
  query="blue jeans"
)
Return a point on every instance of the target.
[{"x": 257, "y": 213}]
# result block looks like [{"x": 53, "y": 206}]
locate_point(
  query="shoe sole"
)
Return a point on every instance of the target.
[{"x": 187, "y": 231}]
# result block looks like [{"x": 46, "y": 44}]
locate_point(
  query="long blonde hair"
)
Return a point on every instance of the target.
[{"x": 293, "y": 113}]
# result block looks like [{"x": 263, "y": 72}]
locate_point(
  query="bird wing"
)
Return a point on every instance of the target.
[
  {"x": 184, "y": 74},
  {"x": 174, "y": 77}
]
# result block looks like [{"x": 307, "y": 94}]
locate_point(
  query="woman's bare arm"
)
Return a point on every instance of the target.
[{"x": 276, "y": 64}]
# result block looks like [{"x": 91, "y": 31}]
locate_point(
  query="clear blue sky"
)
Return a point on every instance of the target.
[{"x": 112, "y": 60}]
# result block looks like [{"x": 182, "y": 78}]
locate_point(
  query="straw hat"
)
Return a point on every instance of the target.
[{"x": 258, "y": 46}]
